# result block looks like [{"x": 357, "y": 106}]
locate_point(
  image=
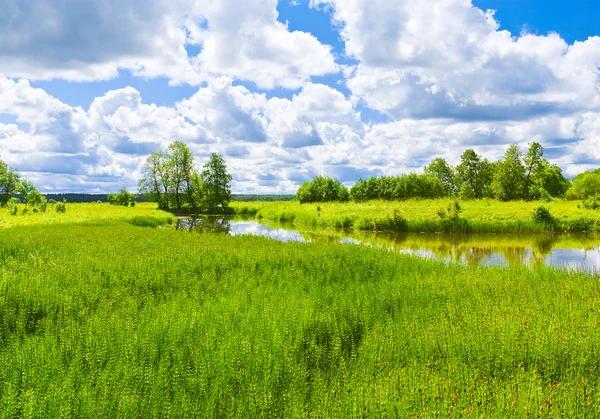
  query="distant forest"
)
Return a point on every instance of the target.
[{"x": 83, "y": 197}]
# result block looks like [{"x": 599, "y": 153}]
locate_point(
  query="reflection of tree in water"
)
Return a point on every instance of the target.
[
  {"x": 544, "y": 243},
  {"x": 206, "y": 224}
]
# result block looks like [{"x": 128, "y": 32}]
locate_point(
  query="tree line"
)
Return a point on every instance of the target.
[
  {"x": 517, "y": 176},
  {"x": 171, "y": 179}
]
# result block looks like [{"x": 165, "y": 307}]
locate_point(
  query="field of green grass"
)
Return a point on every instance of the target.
[
  {"x": 102, "y": 318},
  {"x": 484, "y": 216},
  {"x": 88, "y": 213}
]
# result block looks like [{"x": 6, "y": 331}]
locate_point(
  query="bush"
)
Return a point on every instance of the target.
[
  {"x": 61, "y": 207},
  {"x": 123, "y": 198},
  {"x": 542, "y": 215},
  {"x": 539, "y": 194},
  {"x": 579, "y": 225},
  {"x": 591, "y": 204}
]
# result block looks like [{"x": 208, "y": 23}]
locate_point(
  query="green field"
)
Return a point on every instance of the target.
[
  {"x": 103, "y": 318},
  {"x": 484, "y": 216}
]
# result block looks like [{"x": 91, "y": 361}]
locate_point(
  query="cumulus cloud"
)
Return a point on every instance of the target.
[
  {"x": 442, "y": 72},
  {"x": 449, "y": 59},
  {"x": 92, "y": 40}
]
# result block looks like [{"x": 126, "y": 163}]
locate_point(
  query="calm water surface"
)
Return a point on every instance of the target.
[{"x": 571, "y": 252}]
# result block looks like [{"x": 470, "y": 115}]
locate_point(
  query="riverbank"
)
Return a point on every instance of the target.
[{"x": 485, "y": 216}]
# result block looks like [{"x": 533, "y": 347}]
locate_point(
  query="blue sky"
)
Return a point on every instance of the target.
[{"x": 291, "y": 89}]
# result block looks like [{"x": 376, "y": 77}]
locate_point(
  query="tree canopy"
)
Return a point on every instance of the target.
[{"x": 171, "y": 178}]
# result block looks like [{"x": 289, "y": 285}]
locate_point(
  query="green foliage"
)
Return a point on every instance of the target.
[
  {"x": 398, "y": 188},
  {"x": 322, "y": 189},
  {"x": 591, "y": 204},
  {"x": 584, "y": 186},
  {"x": 441, "y": 170},
  {"x": 580, "y": 225},
  {"x": 216, "y": 183},
  {"x": 9, "y": 182},
  {"x": 509, "y": 177},
  {"x": 542, "y": 215},
  {"x": 477, "y": 173},
  {"x": 466, "y": 192},
  {"x": 123, "y": 198},
  {"x": 537, "y": 193},
  {"x": 61, "y": 207},
  {"x": 119, "y": 321},
  {"x": 451, "y": 212}
]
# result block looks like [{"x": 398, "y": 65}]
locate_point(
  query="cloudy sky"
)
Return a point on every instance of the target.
[{"x": 291, "y": 89}]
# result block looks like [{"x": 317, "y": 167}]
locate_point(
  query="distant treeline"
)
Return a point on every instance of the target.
[
  {"x": 84, "y": 197},
  {"x": 264, "y": 198},
  {"x": 516, "y": 177}
]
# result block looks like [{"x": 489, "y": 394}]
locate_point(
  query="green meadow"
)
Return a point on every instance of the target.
[
  {"x": 480, "y": 216},
  {"x": 103, "y": 316}
]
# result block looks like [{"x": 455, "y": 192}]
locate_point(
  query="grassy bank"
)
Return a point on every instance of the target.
[
  {"x": 486, "y": 216},
  {"x": 120, "y": 321},
  {"x": 144, "y": 214}
]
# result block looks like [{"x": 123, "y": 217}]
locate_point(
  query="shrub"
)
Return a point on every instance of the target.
[
  {"x": 542, "y": 215},
  {"x": 123, "y": 198},
  {"x": 579, "y": 225},
  {"x": 539, "y": 194},
  {"x": 61, "y": 207},
  {"x": 591, "y": 204}
]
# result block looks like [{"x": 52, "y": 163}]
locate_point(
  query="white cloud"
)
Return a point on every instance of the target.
[
  {"x": 448, "y": 59},
  {"x": 92, "y": 40}
]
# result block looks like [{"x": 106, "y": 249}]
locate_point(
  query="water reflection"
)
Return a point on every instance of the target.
[{"x": 580, "y": 253}]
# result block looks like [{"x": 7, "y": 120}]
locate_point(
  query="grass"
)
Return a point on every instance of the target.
[
  {"x": 96, "y": 213},
  {"x": 113, "y": 320},
  {"x": 485, "y": 216}
]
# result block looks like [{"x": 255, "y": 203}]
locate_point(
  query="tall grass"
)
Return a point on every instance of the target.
[
  {"x": 89, "y": 213},
  {"x": 485, "y": 216},
  {"x": 121, "y": 321}
]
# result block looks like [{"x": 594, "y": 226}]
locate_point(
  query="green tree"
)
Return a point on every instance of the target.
[
  {"x": 322, "y": 189},
  {"x": 510, "y": 176},
  {"x": 477, "y": 173},
  {"x": 123, "y": 198},
  {"x": 552, "y": 180},
  {"x": 440, "y": 169},
  {"x": 216, "y": 183},
  {"x": 156, "y": 181},
  {"x": 9, "y": 181},
  {"x": 534, "y": 164},
  {"x": 585, "y": 185},
  {"x": 182, "y": 170}
]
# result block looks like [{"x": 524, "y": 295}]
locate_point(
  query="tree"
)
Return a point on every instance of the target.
[
  {"x": 440, "y": 169},
  {"x": 31, "y": 195},
  {"x": 182, "y": 169},
  {"x": 322, "y": 189},
  {"x": 552, "y": 180},
  {"x": 534, "y": 164},
  {"x": 168, "y": 178},
  {"x": 216, "y": 183},
  {"x": 475, "y": 172},
  {"x": 156, "y": 180},
  {"x": 509, "y": 178},
  {"x": 9, "y": 181},
  {"x": 585, "y": 185},
  {"x": 124, "y": 198}
]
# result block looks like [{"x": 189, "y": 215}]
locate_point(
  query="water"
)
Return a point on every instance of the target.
[{"x": 578, "y": 253}]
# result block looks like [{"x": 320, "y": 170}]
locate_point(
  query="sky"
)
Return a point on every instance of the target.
[{"x": 292, "y": 89}]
